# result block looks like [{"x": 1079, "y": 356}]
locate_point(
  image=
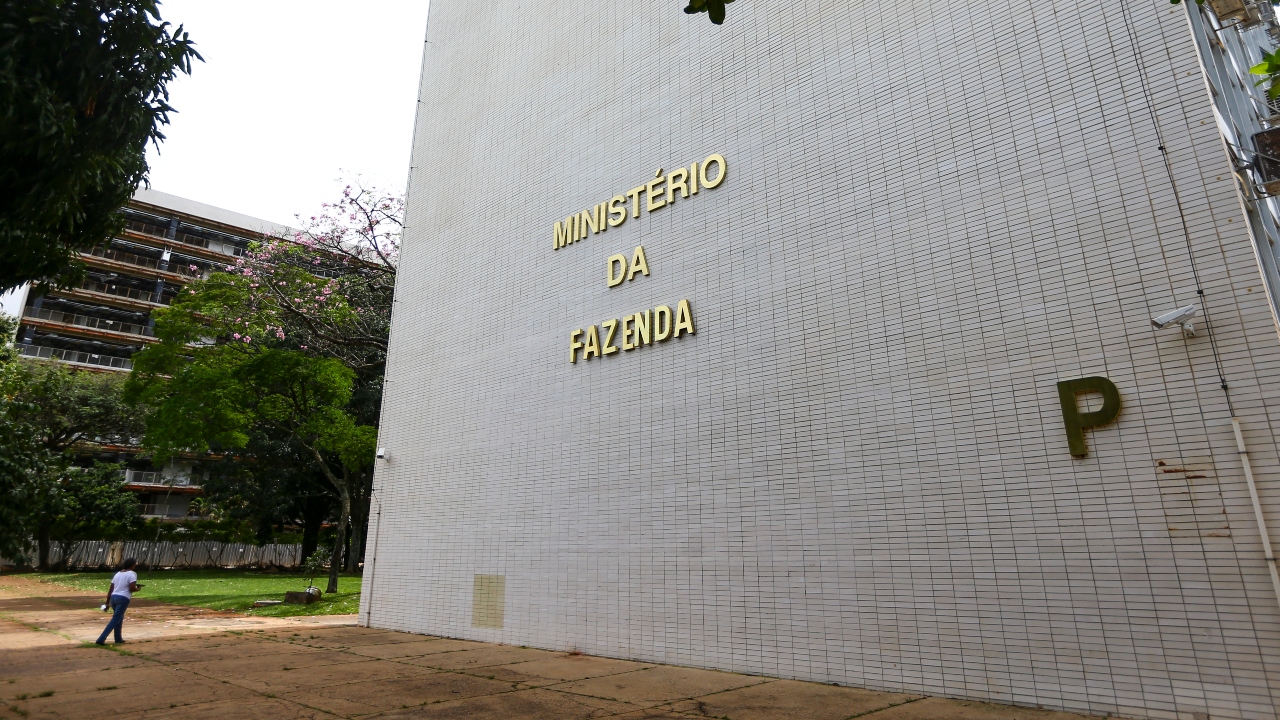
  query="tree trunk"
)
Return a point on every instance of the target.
[
  {"x": 343, "y": 486},
  {"x": 42, "y": 553},
  {"x": 67, "y": 548},
  {"x": 264, "y": 531},
  {"x": 313, "y": 512},
  {"x": 357, "y": 543},
  {"x": 359, "y": 523},
  {"x": 340, "y": 540}
]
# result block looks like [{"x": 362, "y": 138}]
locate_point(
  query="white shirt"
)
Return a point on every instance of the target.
[{"x": 121, "y": 582}]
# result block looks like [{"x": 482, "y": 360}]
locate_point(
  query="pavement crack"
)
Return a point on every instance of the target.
[{"x": 886, "y": 707}]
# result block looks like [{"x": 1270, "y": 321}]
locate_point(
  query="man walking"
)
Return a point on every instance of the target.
[{"x": 123, "y": 586}]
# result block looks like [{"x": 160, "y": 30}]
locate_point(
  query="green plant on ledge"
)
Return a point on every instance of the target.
[{"x": 1269, "y": 69}]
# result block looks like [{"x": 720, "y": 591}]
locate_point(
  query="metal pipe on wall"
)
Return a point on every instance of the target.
[{"x": 1257, "y": 507}]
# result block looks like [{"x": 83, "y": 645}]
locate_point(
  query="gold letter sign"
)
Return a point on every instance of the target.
[{"x": 1077, "y": 421}]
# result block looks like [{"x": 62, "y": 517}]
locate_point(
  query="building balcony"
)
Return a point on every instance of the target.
[
  {"x": 123, "y": 291},
  {"x": 75, "y": 357},
  {"x": 214, "y": 249},
  {"x": 146, "y": 228},
  {"x": 90, "y": 296},
  {"x": 154, "y": 478},
  {"x": 127, "y": 262},
  {"x": 162, "y": 512},
  {"x": 114, "y": 329}
]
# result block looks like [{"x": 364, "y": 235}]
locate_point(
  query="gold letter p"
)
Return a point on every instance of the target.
[{"x": 1077, "y": 421}]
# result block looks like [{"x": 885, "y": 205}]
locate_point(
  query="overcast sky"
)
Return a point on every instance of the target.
[{"x": 291, "y": 94}]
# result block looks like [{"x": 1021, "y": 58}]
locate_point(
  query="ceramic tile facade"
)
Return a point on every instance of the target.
[{"x": 856, "y": 471}]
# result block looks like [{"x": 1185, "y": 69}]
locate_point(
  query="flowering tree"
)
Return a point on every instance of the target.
[
  {"x": 300, "y": 324},
  {"x": 326, "y": 291}
]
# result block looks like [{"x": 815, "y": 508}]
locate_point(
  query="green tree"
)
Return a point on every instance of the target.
[
  {"x": 58, "y": 409},
  {"x": 80, "y": 504},
  {"x": 20, "y": 455},
  {"x": 216, "y": 393},
  {"x": 83, "y": 89},
  {"x": 268, "y": 482},
  {"x": 75, "y": 406},
  {"x": 326, "y": 292},
  {"x": 8, "y": 331},
  {"x": 22, "y": 458}
]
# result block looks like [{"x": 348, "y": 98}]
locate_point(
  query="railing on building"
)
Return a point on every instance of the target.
[
  {"x": 1231, "y": 37},
  {"x": 146, "y": 228},
  {"x": 67, "y": 318},
  {"x": 143, "y": 261},
  {"x": 73, "y": 356},
  {"x": 123, "y": 291},
  {"x": 157, "y": 510},
  {"x": 155, "y": 477},
  {"x": 225, "y": 247}
]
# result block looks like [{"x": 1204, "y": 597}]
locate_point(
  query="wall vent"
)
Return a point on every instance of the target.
[{"x": 488, "y": 598}]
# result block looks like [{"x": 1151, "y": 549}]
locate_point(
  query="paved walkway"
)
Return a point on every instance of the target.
[
  {"x": 67, "y": 615},
  {"x": 204, "y": 665}
]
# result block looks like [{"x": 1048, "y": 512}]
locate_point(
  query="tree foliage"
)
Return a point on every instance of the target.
[
  {"x": 76, "y": 504},
  {"x": 83, "y": 89},
  {"x": 1269, "y": 69},
  {"x": 713, "y": 8},
  {"x": 213, "y": 388},
  {"x": 265, "y": 483},
  {"x": 217, "y": 396},
  {"x": 276, "y": 363},
  {"x": 22, "y": 458},
  {"x": 326, "y": 291},
  {"x": 46, "y": 410},
  {"x": 66, "y": 406}
]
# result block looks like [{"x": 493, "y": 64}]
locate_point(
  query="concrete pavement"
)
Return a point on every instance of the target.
[{"x": 188, "y": 663}]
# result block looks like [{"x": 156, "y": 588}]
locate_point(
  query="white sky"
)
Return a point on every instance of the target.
[{"x": 292, "y": 95}]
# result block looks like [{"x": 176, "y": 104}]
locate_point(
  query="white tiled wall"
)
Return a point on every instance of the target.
[{"x": 856, "y": 470}]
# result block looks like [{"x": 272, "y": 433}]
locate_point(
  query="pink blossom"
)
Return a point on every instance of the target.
[{"x": 235, "y": 335}]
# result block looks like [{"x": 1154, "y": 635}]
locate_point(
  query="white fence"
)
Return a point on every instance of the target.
[{"x": 203, "y": 554}]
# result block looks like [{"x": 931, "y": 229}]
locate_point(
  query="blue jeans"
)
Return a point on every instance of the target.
[{"x": 119, "y": 603}]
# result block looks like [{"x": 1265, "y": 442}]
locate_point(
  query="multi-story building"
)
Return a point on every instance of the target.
[
  {"x": 97, "y": 326},
  {"x": 983, "y": 396}
]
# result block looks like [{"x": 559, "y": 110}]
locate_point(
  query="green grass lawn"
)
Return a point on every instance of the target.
[{"x": 223, "y": 589}]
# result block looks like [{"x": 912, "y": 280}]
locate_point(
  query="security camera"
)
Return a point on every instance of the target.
[
  {"x": 382, "y": 453},
  {"x": 1180, "y": 317}
]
